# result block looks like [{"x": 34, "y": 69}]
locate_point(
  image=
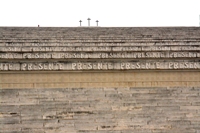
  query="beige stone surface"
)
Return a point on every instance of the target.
[{"x": 99, "y": 79}]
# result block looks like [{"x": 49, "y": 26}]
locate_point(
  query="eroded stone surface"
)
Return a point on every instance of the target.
[
  {"x": 96, "y": 110},
  {"x": 99, "y": 80},
  {"x": 46, "y": 49}
]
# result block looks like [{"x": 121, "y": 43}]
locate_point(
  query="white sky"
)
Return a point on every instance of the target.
[{"x": 121, "y": 13}]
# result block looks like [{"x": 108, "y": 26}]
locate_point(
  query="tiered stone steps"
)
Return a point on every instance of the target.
[{"x": 121, "y": 47}]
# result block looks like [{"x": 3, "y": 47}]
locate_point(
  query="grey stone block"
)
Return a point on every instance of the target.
[{"x": 145, "y": 110}]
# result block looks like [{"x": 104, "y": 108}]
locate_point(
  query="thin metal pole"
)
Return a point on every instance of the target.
[
  {"x": 88, "y": 21},
  {"x": 97, "y": 22},
  {"x": 80, "y": 22}
]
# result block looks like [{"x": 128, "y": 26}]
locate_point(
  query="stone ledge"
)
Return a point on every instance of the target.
[{"x": 89, "y": 79}]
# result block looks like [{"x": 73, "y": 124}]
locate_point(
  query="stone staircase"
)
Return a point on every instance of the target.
[
  {"x": 116, "y": 45},
  {"x": 99, "y": 80}
]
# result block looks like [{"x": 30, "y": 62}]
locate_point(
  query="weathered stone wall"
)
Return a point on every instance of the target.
[
  {"x": 99, "y": 80},
  {"x": 100, "y": 110}
]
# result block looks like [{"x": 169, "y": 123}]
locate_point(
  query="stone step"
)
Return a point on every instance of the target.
[
  {"x": 100, "y": 55},
  {"x": 115, "y": 32},
  {"x": 49, "y": 48}
]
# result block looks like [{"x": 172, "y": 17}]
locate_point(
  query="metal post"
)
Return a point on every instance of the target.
[
  {"x": 88, "y": 21},
  {"x": 97, "y": 22},
  {"x": 80, "y": 22}
]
